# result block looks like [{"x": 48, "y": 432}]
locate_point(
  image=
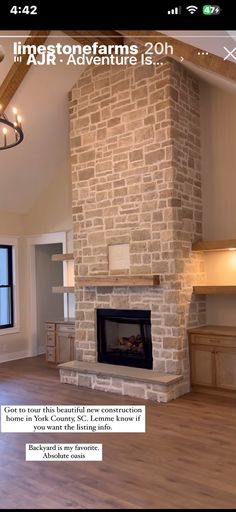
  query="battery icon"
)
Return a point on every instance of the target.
[{"x": 208, "y": 10}]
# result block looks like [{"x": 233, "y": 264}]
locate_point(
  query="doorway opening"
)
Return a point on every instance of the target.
[
  {"x": 43, "y": 275},
  {"x": 48, "y": 273}
]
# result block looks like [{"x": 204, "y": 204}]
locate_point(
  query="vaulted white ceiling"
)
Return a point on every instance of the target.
[
  {"x": 26, "y": 170},
  {"x": 42, "y": 100}
]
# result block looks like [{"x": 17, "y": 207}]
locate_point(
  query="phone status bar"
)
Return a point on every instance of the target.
[{"x": 163, "y": 15}]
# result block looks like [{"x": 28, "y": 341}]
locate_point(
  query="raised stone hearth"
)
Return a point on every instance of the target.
[
  {"x": 121, "y": 379},
  {"x": 136, "y": 185}
]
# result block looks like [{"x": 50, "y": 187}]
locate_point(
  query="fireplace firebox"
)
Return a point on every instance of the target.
[{"x": 124, "y": 337}]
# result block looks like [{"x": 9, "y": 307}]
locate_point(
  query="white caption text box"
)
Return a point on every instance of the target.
[
  {"x": 63, "y": 452},
  {"x": 72, "y": 418}
]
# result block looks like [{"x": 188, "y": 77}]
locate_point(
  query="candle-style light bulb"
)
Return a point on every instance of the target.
[
  {"x": 19, "y": 119},
  {"x": 14, "y": 110},
  {"x": 4, "y": 130}
]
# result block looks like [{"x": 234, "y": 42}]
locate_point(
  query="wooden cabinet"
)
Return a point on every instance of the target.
[
  {"x": 65, "y": 337},
  {"x": 59, "y": 339},
  {"x": 225, "y": 368},
  {"x": 50, "y": 342},
  {"x": 202, "y": 365},
  {"x": 213, "y": 357}
]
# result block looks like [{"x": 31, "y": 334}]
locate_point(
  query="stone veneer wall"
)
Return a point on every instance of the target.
[{"x": 135, "y": 154}]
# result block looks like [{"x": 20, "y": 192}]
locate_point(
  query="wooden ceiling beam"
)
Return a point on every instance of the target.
[
  {"x": 18, "y": 70},
  {"x": 89, "y": 36},
  {"x": 210, "y": 62}
]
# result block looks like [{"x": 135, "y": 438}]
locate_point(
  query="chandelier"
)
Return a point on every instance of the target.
[{"x": 12, "y": 133}]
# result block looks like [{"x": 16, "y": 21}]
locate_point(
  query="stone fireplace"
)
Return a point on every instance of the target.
[
  {"x": 124, "y": 337},
  {"x": 136, "y": 185}
]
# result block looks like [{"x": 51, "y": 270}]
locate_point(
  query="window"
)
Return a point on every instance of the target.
[{"x": 6, "y": 287}]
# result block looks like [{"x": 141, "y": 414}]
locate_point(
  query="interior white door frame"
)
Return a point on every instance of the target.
[{"x": 49, "y": 238}]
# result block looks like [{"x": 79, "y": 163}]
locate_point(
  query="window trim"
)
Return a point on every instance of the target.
[
  {"x": 13, "y": 242},
  {"x": 9, "y": 284}
]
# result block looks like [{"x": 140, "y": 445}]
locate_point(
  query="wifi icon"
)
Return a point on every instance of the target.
[{"x": 192, "y": 9}]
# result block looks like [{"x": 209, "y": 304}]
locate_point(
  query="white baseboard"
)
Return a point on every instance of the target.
[
  {"x": 12, "y": 356},
  {"x": 41, "y": 351}
]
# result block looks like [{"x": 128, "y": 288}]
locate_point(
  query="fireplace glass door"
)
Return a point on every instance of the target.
[{"x": 124, "y": 337}]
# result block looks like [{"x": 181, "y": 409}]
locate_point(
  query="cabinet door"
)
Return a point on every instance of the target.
[
  {"x": 50, "y": 354},
  {"x": 64, "y": 348},
  {"x": 72, "y": 348},
  {"x": 226, "y": 368},
  {"x": 50, "y": 339},
  {"x": 202, "y": 365}
]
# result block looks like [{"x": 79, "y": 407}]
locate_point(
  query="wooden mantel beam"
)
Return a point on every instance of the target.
[
  {"x": 210, "y": 62},
  {"x": 89, "y": 36},
  {"x": 18, "y": 70}
]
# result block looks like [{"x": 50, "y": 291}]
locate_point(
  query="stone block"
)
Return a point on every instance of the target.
[
  {"x": 140, "y": 92},
  {"x": 159, "y": 366},
  {"x": 136, "y": 155},
  {"x": 152, "y": 395},
  {"x": 95, "y": 118},
  {"x": 140, "y": 269},
  {"x": 154, "y": 156},
  {"x": 160, "y": 267},
  {"x": 86, "y": 174},
  {"x": 157, "y": 96},
  {"x": 134, "y": 390},
  {"x": 143, "y": 72},
  {"x": 140, "y": 234},
  {"x": 134, "y": 115},
  {"x": 68, "y": 377},
  {"x": 114, "y": 121},
  {"x": 86, "y": 156},
  {"x": 116, "y": 383},
  {"x": 171, "y": 343},
  {"x": 84, "y": 380},
  {"x": 103, "y": 381},
  {"x": 143, "y": 134},
  {"x": 75, "y": 142},
  {"x": 122, "y": 85},
  {"x": 173, "y": 366},
  {"x": 120, "y": 302},
  {"x": 96, "y": 238}
]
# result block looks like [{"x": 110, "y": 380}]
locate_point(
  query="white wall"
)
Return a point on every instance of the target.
[
  {"x": 218, "y": 118},
  {"x": 220, "y": 267},
  {"x": 48, "y": 273},
  {"x": 51, "y": 213},
  {"x": 11, "y": 223},
  {"x": 53, "y": 210}
]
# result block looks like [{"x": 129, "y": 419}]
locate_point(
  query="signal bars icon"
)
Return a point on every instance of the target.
[{"x": 175, "y": 10}]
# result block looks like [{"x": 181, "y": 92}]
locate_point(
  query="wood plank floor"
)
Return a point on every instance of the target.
[{"x": 186, "y": 458}]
